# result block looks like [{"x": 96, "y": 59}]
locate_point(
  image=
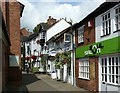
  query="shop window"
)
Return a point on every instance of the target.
[
  {"x": 84, "y": 69},
  {"x": 111, "y": 69},
  {"x": 106, "y": 24}
]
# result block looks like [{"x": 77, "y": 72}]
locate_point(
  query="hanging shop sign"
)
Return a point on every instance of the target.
[{"x": 105, "y": 47}]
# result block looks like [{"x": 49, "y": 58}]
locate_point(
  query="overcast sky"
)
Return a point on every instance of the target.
[{"x": 37, "y": 11}]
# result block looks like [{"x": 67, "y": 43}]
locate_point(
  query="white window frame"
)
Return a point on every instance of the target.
[
  {"x": 106, "y": 23},
  {"x": 84, "y": 69},
  {"x": 81, "y": 34},
  {"x": 111, "y": 66},
  {"x": 117, "y": 18},
  {"x": 42, "y": 35}
]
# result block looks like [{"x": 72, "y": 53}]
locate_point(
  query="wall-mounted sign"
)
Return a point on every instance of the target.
[
  {"x": 100, "y": 48},
  {"x": 67, "y": 37},
  {"x": 94, "y": 49},
  {"x": 14, "y": 61}
]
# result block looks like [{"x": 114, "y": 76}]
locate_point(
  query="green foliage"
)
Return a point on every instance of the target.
[
  {"x": 35, "y": 69},
  {"x": 62, "y": 59},
  {"x": 37, "y": 28},
  {"x": 43, "y": 60}
]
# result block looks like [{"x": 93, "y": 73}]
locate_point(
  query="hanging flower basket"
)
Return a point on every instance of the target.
[
  {"x": 27, "y": 58},
  {"x": 33, "y": 57}
]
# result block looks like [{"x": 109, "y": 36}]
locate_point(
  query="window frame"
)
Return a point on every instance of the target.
[
  {"x": 106, "y": 24},
  {"x": 118, "y": 22},
  {"x": 84, "y": 69},
  {"x": 81, "y": 34},
  {"x": 111, "y": 66}
]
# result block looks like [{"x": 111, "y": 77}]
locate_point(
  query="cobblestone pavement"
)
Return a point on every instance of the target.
[
  {"x": 59, "y": 85},
  {"x": 42, "y": 83}
]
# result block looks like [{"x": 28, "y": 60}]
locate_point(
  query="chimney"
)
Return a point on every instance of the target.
[{"x": 51, "y": 20}]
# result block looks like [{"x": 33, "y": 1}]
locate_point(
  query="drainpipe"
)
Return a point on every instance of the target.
[{"x": 73, "y": 58}]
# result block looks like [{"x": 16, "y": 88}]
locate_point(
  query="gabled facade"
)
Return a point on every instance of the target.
[
  {"x": 97, "y": 60},
  {"x": 107, "y": 29},
  {"x": 61, "y": 55}
]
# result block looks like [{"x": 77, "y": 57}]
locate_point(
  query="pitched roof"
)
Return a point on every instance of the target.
[
  {"x": 45, "y": 26},
  {"x": 101, "y": 9}
]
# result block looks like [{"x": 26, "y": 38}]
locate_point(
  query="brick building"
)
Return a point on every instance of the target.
[
  {"x": 88, "y": 52},
  {"x": 12, "y": 11},
  {"x": 86, "y": 67},
  {"x": 4, "y": 53}
]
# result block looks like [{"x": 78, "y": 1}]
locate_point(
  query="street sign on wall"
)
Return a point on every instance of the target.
[{"x": 14, "y": 61}]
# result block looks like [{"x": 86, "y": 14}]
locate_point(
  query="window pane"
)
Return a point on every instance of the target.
[
  {"x": 116, "y": 61},
  {"x": 103, "y": 18},
  {"x": 108, "y": 15},
  {"x": 102, "y": 69},
  {"x": 109, "y": 70},
  {"x": 112, "y": 69},
  {"x": 109, "y": 78},
  {"x": 105, "y": 61},
  {"x": 112, "y": 78},
  {"x": 102, "y": 77},
  {"x": 105, "y": 78},
  {"x": 109, "y": 61},
  {"x": 117, "y": 79},
  {"x": 106, "y": 70},
  {"x": 113, "y": 61},
  {"x": 116, "y": 69}
]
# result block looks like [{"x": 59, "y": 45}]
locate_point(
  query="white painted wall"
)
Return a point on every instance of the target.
[
  {"x": 55, "y": 29},
  {"x": 98, "y": 26},
  {"x": 98, "y": 29}
]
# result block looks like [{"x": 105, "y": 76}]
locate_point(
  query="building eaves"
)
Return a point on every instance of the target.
[
  {"x": 101, "y": 9},
  {"x": 58, "y": 22},
  {"x": 32, "y": 36},
  {"x": 21, "y": 8}
]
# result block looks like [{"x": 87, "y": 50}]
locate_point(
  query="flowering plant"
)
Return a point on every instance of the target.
[
  {"x": 33, "y": 57},
  {"x": 27, "y": 58}
]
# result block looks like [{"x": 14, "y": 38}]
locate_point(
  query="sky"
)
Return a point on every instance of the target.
[{"x": 38, "y": 11}]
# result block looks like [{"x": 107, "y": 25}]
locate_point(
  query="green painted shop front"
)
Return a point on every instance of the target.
[
  {"x": 108, "y": 62},
  {"x": 105, "y": 47}
]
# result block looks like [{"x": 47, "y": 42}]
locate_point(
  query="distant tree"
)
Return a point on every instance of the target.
[{"x": 37, "y": 28}]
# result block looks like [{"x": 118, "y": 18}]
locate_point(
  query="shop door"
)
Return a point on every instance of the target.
[
  {"x": 110, "y": 73},
  {"x": 104, "y": 74}
]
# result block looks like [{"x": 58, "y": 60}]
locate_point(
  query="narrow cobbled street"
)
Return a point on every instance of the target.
[{"x": 42, "y": 83}]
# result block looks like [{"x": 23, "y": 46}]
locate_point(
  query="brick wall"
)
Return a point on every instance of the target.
[
  {"x": 89, "y": 38},
  {"x": 14, "y": 28},
  {"x": 92, "y": 84},
  {"x": 11, "y": 13}
]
